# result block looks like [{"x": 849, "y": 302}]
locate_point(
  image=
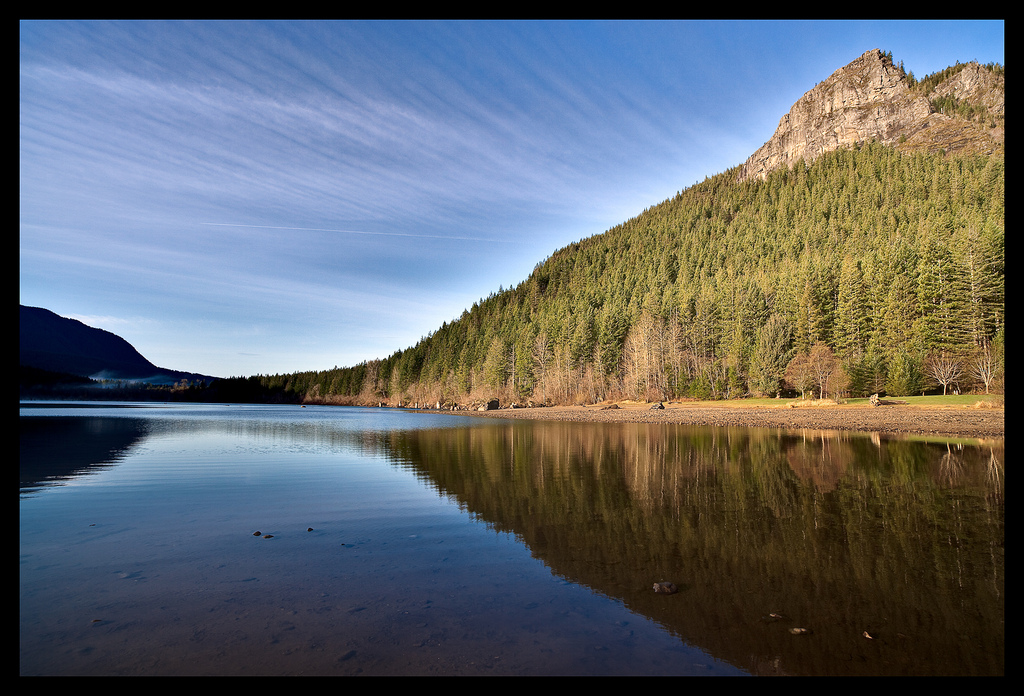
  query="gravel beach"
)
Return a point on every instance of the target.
[{"x": 898, "y": 418}]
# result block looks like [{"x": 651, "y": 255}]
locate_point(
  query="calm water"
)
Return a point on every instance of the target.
[{"x": 451, "y": 545}]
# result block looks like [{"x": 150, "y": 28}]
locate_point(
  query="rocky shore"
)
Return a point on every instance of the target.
[{"x": 944, "y": 421}]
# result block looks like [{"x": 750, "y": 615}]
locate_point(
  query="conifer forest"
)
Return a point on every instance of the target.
[{"x": 868, "y": 271}]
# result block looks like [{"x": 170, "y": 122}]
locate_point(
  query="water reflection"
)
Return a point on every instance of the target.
[
  {"x": 888, "y": 551},
  {"x": 55, "y": 450}
]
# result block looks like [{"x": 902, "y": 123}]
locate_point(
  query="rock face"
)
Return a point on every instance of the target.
[
  {"x": 976, "y": 84},
  {"x": 871, "y": 99}
]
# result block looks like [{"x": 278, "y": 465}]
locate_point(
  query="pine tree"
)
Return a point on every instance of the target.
[
  {"x": 939, "y": 290},
  {"x": 980, "y": 266},
  {"x": 904, "y": 376},
  {"x": 772, "y": 352},
  {"x": 851, "y": 329},
  {"x": 495, "y": 367}
]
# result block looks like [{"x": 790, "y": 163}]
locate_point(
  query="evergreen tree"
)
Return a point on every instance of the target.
[
  {"x": 772, "y": 352},
  {"x": 940, "y": 292},
  {"x": 851, "y": 329},
  {"x": 495, "y": 367},
  {"x": 904, "y": 376}
]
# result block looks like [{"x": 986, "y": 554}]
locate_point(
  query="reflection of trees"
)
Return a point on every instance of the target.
[
  {"x": 840, "y": 532},
  {"x": 951, "y": 465},
  {"x": 820, "y": 459},
  {"x": 994, "y": 475}
]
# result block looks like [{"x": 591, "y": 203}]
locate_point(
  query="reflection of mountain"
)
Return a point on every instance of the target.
[
  {"x": 838, "y": 534},
  {"x": 55, "y": 449}
]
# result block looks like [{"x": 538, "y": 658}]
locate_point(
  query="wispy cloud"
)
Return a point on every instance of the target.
[
  {"x": 369, "y": 172},
  {"x": 377, "y": 234}
]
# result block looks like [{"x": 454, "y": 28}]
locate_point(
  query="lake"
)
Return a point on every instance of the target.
[{"x": 185, "y": 539}]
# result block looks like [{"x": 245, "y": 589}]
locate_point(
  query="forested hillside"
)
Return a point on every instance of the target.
[
  {"x": 875, "y": 265},
  {"x": 866, "y": 271}
]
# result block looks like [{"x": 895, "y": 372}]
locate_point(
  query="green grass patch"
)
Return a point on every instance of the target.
[
  {"x": 937, "y": 400},
  {"x": 950, "y": 399},
  {"x": 964, "y": 400}
]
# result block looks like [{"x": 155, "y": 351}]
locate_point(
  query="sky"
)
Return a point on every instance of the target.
[{"x": 237, "y": 198}]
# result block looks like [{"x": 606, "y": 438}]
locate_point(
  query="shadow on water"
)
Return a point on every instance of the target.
[
  {"x": 887, "y": 554},
  {"x": 58, "y": 449}
]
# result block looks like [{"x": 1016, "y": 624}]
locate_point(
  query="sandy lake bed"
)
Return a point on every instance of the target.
[{"x": 945, "y": 421}]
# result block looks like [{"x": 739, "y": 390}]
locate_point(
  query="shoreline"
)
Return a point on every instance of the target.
[{"x": 899, "y": 419}]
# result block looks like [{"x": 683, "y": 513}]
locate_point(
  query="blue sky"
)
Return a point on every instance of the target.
[{"x": 240, "y": 198}]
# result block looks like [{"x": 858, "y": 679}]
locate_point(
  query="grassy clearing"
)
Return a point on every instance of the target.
[
  {"x": 960, "y": 400},
  {"x": 950, "y": 400},
  {"x": 938, "y": 400}
]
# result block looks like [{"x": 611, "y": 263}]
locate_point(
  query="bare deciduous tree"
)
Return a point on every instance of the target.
[
  {"x": 984, "y": 365},
  {"x": 799, "y": 373},
  {"x": 824, "y": 366},
  {"x": 643, "y": 358},
  {"x": 945, "y": 368}
]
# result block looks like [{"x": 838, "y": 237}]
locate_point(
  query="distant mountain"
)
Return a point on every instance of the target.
[{"x": 53, "y": 343}]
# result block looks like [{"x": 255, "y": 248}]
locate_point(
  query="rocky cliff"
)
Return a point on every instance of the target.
[{"x": 872, "y": 99}]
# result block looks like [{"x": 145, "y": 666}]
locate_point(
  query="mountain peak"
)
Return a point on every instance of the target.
[{"x": 873, "y": 99}]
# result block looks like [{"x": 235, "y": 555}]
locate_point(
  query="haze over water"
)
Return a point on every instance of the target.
[{"x": 394, "y": 542}]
